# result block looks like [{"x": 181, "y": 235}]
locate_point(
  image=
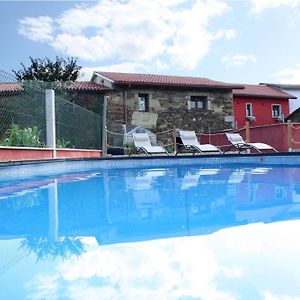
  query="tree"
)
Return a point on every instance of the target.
[
  {"x": 64, "y": 247},
  {"x": 49, "y": 71}
]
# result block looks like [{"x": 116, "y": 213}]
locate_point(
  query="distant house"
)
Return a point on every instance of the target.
[
  {"x": 293, "y": 89},
  {"x": 160, "y": 102},
  {"x": 294, "y": 117},
  {"x": 260, "y": 105},
  {"x": 84, "y": 93}
]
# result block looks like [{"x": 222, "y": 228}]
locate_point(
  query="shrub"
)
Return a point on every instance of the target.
[
  {"x": 23, "y": 137},
  {"x": 61, "y": 143}
]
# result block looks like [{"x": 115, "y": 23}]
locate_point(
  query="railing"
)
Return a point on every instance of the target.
[{"x": 284, "y": 137}]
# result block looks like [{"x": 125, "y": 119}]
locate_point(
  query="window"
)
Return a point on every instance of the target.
[
  {"x": 280, "y": 192},
  {"x": 199, "y": 102},
  {"x": 249, "y": 111},
  {"x": 276, "y": 110},
  {"x": 143, "y": 102}
]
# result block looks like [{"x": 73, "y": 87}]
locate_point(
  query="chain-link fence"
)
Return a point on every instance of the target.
[
  {"x": 23, "y": 117},
  {"x": 77, "y": 126}
]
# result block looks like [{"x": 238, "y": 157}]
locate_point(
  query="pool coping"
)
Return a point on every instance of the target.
[
  {"x": 20, "y": 170},
  {"x": 142, "y": 157}
]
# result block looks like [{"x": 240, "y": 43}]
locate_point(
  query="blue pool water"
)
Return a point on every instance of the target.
[{"x": 176, "y": 232}]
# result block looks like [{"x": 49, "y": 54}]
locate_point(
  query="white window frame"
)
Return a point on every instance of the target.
[
  {"x": 280, "y": 111},
  {"x": 143, "y": 102},
  {"x": 251, "y": 110},
  {"x": 196, "y": 100},
  {"x": 280, "y": 192}
]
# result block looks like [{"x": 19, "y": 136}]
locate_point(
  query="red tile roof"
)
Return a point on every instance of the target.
[
  {"x": 86, "y": 86},
  {"x": 163, "y": 80},
  {"x": 73, "y": 86},
  {"x": 283, "y": 86},
  {"x": 10, "y": 87},
  {"x": 262, "y": 91}
]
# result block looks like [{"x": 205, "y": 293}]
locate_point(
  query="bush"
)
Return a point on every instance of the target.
[
  {"x": 26, "y": 137},
  {"x": 61, "y": 143}
]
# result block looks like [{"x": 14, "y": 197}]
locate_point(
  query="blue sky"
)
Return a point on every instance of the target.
[{"x": 233, "y": 41}]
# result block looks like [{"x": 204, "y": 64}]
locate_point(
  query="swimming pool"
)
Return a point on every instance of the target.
[{"x": 171, "y": 229}]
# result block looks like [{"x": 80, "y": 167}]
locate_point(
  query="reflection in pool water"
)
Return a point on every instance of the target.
[{"x": 177, "y": 233}]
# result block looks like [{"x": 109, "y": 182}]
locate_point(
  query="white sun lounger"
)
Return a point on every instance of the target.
[
  {"x": 142, "y": 143},
  {"x": 190, "y": 142},
  {"x": 192, "y": 179},
  {"x": 238, "y": 143}
]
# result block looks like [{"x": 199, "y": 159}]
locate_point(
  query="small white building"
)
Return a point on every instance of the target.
[{"x": 293, "y": 89}]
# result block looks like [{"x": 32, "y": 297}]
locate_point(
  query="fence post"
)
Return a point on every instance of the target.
[
  {"x": 53, "y": 211},
  {"x": 174, "y": 140},
  {"x": 247, "y": 132},
  {"x": 289, "y": 135},
  {"x": 104, "y": 127},
  {"x": 50, "y": 121}
]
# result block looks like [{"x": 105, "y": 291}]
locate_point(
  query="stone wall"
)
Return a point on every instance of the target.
[{"x": 168, "y": 108}]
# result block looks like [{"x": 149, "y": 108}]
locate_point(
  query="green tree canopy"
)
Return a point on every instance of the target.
[{"x": 49, "y": 71}]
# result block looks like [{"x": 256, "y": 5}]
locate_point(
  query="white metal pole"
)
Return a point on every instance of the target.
[
  {"x": 53, "y": 212},
  {"x": 50, "y": 121},
  {"x": 104, "y": 126}
]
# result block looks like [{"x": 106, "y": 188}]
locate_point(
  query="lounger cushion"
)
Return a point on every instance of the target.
[
  {"x": 208, "y": 147},
  {"x": 141, "y": 138},
  {"x": 261, "y": 146},
  {"x": 235, "y": 138},
  {"x": 155, "y": 149},
  {"x": 187, "y": 135}
]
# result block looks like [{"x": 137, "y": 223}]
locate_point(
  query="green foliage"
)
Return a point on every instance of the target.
[
  {"x": 169, "y": 149},
  {"x": 26, "y": 137},
  {"x": 129, "y": 148},
  {"x": 61, "y": 143},
  {"x": 46, "y": 250},
  {"x": 129, "y": 145},
  {"x": 49, "y": 71}
]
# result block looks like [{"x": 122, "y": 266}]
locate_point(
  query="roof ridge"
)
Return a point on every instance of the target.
[
  {"x": 261, "y": 90},
  {"x": 164, "y": 80},
  {"x": 152, "y": 74}
]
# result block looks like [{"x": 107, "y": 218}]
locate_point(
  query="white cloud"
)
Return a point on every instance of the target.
[
  {"x": 37, "y": 29},
  {"x": 258, "y": 6},
  {"x": 135, "y": 31},
  {"x": 42, "y": 287},
  {"x": 150, "y": 270},
  {"x": 289, "y": 75},
  {"x": 228, "y": 34},
  {"x": 267, "y": 295},
  {"x": 238, "y": 60},
  {"x": 191, "y": 267}
]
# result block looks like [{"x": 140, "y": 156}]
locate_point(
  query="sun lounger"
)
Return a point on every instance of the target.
[
  {"x": 191, "y": 179},
  {"x": 239, "y": 144},
  {"x": 142, "y": 143},
  {"x": 190, "y": 142}
]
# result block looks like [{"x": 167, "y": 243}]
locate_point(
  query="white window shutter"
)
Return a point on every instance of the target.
[
  {"x": 189, "y": 104},
  {"x": 208, "y": 105}
]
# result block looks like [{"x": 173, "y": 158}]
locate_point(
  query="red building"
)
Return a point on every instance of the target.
[{"x": 260, "y": 105}]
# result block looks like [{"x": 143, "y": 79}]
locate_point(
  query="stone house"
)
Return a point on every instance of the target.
[{"x": 158, "y": 102}]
